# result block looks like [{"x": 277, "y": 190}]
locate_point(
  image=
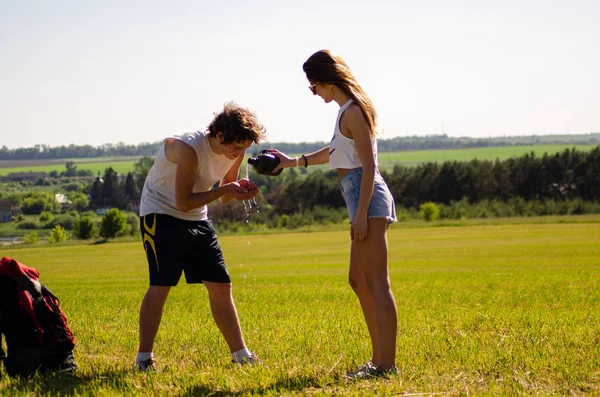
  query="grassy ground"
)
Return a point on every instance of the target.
[
  {"x": 120, "y": 167},
  {"x": 387, "y": 160},
  {"x": 490, "y": 309}
]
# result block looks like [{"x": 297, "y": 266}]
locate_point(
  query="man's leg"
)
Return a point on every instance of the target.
[
  {"x": 225, "y": 314},
  {"x": 151, "y": 312}
]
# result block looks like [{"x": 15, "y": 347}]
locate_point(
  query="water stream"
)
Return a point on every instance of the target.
[{"x": 248, "y": 203}]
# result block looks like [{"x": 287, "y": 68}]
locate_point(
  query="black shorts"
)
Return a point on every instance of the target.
[{"x": 174, "y": 245}]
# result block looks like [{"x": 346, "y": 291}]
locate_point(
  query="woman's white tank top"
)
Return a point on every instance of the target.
[
  {"x": 342, "y": 151},
  {"x": 158, "y": 195}
]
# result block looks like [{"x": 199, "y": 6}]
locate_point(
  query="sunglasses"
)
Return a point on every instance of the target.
[{"x": 313, "y": 88}]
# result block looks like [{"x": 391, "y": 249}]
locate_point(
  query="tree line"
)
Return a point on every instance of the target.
[
  {"x": 565, "y": 175},
  {"x": 121, "y": 149},
  {"x": 567, "y": 182}
]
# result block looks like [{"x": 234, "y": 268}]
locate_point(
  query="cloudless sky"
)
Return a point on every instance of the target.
[{"x": 96, "y": 72}]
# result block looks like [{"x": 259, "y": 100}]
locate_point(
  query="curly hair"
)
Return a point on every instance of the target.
[{"x": 237, "y": 124}]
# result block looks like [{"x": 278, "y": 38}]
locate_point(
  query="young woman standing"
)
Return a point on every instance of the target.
[{"x": 353, "y": 153}]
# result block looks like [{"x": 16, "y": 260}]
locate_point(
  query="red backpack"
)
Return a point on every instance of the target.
[{"x": 35, "y": 328}]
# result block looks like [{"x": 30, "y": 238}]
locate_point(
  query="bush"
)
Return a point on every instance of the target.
[
  {"x": 36, "y": 202},
  {"x": 46, "y": 216},
  {"x": 27, "y": 225},
  {"x": 133, "y": 224},
  {"x": 429, "y": 211},
  {"x": 58, "y": 234},
  {"x": 31, "y": 238},
  {"x": 113, "y": 224},
  {"x": 66, "y": 221},
  {"x": 71, "y": 187},
  {"x": 85, "y": 228}
]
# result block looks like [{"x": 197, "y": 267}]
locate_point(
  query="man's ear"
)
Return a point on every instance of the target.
[{"x": 220, "y": 137}]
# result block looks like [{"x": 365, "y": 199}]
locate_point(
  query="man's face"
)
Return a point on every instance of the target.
[{"x": 234, "y": 150}]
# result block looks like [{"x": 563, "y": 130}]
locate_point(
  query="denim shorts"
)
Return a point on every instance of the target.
[{"x": 382, "y": 203}]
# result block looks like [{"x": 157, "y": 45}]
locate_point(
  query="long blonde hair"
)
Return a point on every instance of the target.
[{"x": 325, "y": 67}]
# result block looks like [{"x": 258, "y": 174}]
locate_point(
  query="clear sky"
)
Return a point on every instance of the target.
[{"x": 95, "y": 72}]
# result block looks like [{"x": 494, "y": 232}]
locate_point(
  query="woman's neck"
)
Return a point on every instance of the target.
[{"x": 340, "y": 97}]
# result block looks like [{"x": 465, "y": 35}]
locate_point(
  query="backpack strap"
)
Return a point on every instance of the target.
[{"x": 33, "y": 287}]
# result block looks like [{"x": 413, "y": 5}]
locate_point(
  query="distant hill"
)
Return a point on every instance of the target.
[{"x": 430, "y": 142}]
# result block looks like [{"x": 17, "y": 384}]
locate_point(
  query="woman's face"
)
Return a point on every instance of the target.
[{"x": 324, "y": 90}]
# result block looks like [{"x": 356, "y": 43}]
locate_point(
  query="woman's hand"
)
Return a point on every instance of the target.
[
  {"x": 359, "y": 228},
  {"x": 284, "y": 160}
]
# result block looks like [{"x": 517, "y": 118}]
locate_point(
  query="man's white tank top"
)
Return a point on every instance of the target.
[
  {"x": 158, "y": 195},
  {"x": 342, "y": 151}
]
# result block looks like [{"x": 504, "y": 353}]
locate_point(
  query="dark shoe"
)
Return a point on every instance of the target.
[
  {"x": 361, "y": 371},
  {"x": 145, "y": 366},
  {"x": 382, "y": 373}
]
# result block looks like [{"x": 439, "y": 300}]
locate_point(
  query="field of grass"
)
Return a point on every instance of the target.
[
  {"x": 387, "y": 160},
  {"x": 122, "y": 165},
  {"x": 503, "y": 309}
]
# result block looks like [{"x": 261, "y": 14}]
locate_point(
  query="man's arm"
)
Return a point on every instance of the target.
[
  {"x": 230, "y": 176},
  {"x": 185, "y": 157}
]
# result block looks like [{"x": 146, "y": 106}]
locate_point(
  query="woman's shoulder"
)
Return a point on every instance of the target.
[{"x": 354, "y": 114}]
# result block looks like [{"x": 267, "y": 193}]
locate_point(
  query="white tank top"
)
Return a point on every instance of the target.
[
  {"x": 158, "y": 195},
  {"x": 342, "y": 152}
]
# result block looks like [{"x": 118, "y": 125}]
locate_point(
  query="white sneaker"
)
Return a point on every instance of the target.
[
  {"x": 145, "y": 366},
  {"x": 253, "y": 359}
]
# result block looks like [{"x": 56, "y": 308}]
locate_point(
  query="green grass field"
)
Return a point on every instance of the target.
[
  {"x": 387, "y": 160},
  {"x": 121, "y": 167},
  {"x": 504, "y": 309}
]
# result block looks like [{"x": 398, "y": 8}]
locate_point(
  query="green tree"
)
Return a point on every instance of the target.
[
  {"x": 140, "y": 171},
  {"x": 109, "y": 188},
  {"x": 114, "y": 223},
  {"x": 84, "y": 228},
  {"x": 36, "y": 202},
  {"x": 31, "y": 238},
  {"x": 46, "y": 216},
  {"x": 129, "y": 189},
  {"x": 71, "y": 169},
  {"x": 79, "y": 200},
  {"x": 58, "y": 234},
  {"x": 133, "y": 224},
  {"x": 429, "y": 211},
  {"x": 96, "y": 192}
]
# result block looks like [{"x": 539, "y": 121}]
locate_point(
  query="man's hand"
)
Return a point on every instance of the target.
[{"x": 244, "y": 189}]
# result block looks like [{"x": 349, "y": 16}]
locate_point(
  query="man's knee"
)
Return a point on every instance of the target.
[{"x": 219, "y": 290}]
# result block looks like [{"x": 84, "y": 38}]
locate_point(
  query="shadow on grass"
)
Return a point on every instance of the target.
[
  {"x": 296, "y": 383},
  {"x": 67, "y": 383}
]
